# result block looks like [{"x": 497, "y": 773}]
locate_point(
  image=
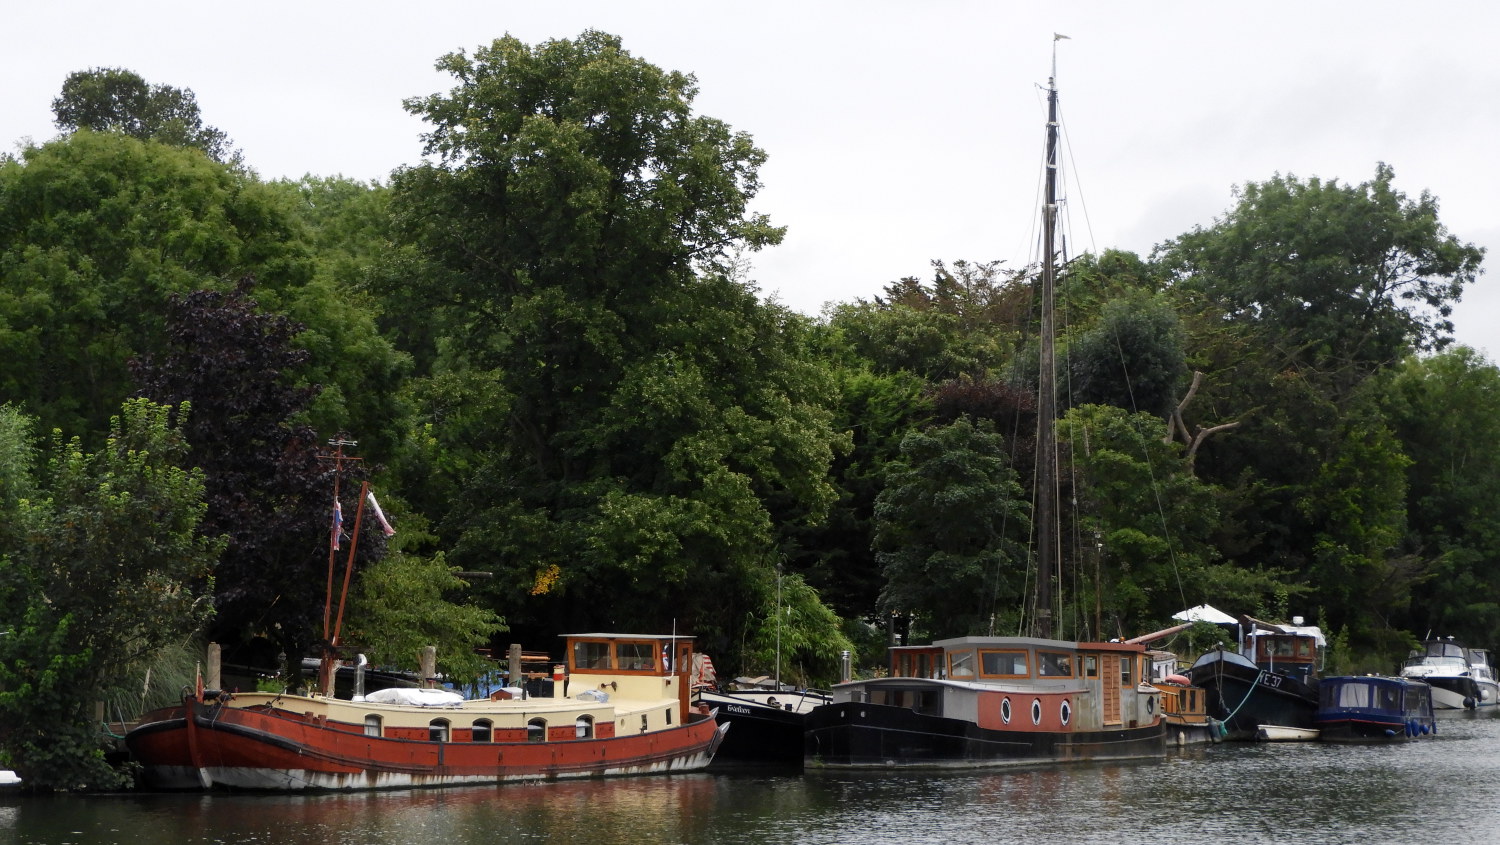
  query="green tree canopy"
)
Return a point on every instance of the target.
[
  {"x": 1131, "y": 357},
  {"x": 110, "y": 99},
  {"x": 653, "y": 421},
  {"x": 97, "y": 230},
  {"x": 1336, "y": 279}
]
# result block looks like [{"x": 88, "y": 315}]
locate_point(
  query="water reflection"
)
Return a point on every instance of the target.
[{"x": 1447, "y": 787}]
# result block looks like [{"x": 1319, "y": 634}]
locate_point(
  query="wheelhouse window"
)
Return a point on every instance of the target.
[
  {"x": 1091, "y": 665},
  {"x": 1054, "y": 664},
  {"x": 484, "y": 730},
  {"x": 438, "y": 730},
  {"x": 372, "y": 725},
  {"x": 1126, "y": 678},
  {"x": 636, "y": 656},
  {"x": 961, "y": 664},
  {"x": 591, "y": 655},
  {"x": 1004, "y": 664},
  {"x": 536, "y": 730}
]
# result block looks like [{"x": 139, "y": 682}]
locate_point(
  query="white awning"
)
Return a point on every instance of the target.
[{"x": 1205, "y": 613}]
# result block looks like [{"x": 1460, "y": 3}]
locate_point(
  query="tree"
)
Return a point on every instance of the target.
[
  {"x": 946, "y": 531},
  {"x": 119, "y": 100},
  {"x": 97, "y": 231},
  {"x": 1131, "y": 357},
  {"x": 401, "y": 605},
  {"x": 268, "y": 492},
  {"x": 1143, "y": 547},
  {"x": 836, "y": 557},
  {"x": 1337, "y": 280},
  {"x": 1445, "y": 411},
  {"x": 577, "y": 227},
  {"x": 800, "y": 632},
  {"x": 110, "y": 570}
]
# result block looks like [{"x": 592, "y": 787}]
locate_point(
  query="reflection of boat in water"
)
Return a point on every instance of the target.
[
  {"x": 1461, "y": 678},
  {"x": 993, "y": 701},
  {"x": 629, "y": 714},
  {"x": 1272, "y": 680},
  {"x": 1374, "y": 708}
]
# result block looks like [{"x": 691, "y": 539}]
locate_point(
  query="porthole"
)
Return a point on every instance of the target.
[
  {"x": 1066, "y": 711},
  {"x": 1150, "y": 704},
  {"x": 1005, "y": 710},
  {"x": 1036, "y": 711}
]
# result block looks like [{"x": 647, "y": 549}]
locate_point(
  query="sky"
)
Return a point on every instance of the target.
[{"x": 897, "y": 132}]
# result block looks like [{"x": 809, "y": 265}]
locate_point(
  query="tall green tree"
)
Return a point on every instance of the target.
[
  {"x": 577, "y": 225},
  {"x": 1292, "y": 302},
  {"x": 1445, "y": 411},
  {"x": 97, "y": 231},
  {"x": 950, "y": 532},
  {"x": 110, "y": 569},
  {"x": 108, "y": 99},
  {"x": 268, "y": 492}
]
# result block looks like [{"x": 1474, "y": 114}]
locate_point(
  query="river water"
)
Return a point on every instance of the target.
[{"x": 1438, "y": 789}]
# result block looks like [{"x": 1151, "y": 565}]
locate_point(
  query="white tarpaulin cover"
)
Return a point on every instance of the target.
[
  {"x": 1205, "y": 613},
  {"x": 416, "y": 697}
]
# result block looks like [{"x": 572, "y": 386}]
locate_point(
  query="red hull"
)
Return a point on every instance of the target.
[{"x": 273, "y": 748}]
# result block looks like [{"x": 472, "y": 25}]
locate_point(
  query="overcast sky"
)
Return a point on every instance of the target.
[{"x": 898, "y": 132}]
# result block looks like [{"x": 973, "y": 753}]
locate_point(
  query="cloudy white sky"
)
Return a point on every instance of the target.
[{"x": 898, "y": 132}]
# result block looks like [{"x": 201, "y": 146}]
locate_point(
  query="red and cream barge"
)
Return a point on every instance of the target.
[
  {"x": 621, "y": 708},
  {"x": 976, "y": 701}
]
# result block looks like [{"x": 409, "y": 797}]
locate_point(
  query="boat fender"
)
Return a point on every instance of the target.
[
  {"x": 1411, "y": 727},
  {"x": 1468, "y": 704},
  {"x": 1424, "y": 730},
  {"x": 1390, "y": 732},
  {"x": 1179, "y": 679}
]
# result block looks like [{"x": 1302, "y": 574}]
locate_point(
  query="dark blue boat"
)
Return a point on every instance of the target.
[{"x": 1374, "y": 708}]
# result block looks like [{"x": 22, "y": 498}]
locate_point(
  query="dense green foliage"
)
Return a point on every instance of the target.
[
  {"x": 583, "y": 416},
  {"x": 651, "y": 424},
  {"x": 108, "y": 569}
]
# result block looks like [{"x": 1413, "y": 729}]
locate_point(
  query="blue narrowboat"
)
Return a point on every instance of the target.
[{"x": 1374, "y": 708}]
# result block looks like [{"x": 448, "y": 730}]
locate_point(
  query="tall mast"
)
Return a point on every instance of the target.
[{"x": 1048, "y": 559}]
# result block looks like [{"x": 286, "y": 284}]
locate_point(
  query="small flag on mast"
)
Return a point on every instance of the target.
[
  {"x": 385, "y": 527},
  {"x": 338, "y": 523}
]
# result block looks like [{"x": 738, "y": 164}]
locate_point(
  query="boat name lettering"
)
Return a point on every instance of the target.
[
  {"x": 1273, "y": 681},
  {"x": 737, "y": 708}
]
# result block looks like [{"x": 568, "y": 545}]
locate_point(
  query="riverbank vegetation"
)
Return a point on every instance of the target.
[{"x": 581, "y": 415}]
